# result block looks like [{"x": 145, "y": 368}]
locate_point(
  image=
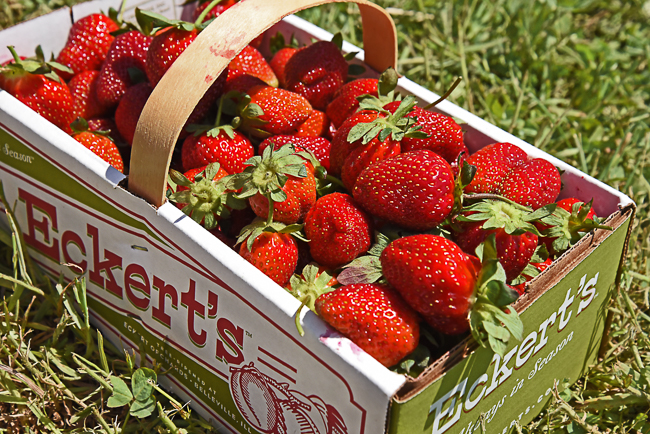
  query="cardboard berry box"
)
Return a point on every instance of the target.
[{"x": 222, "y": 329}]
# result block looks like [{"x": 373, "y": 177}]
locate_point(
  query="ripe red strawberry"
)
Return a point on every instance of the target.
[
  {"x": 514, "y": 250},
  {"x": 274, "y": 111},
  {"x": 279, "y": 62},
  {"x": 274, "y": 254},
  {"x": 414, "y": 189},
  {"x": 43, "y": 92},
  {"x": 374, "y": 317},
  {"x": 493, "y": 163},
  {"x": 345, "y": 103},
  {"x": 284, "y": 179},
  {"x": 128, "y": 50},
  {"x": 317, "y": 124},
  {"x": 300, "y": 195},
  {"x": 230, "y": 152},
  {"x": 83, "y": 88},
  {"x": 165, "y": 48},
  {"x": 451, "y": 290},
  {"x": 318, "y": 146},
  {"x": 369, "y": 136},
  {"x": 99, "y": 144},
  {"x": 129, "y": 109},
  {"x": 316, "y": 72},
  {"x": 513, "y": 226},
  {"x": 88, "y": 42},
  {"x": 445, "y": 135},
  {"x": 338, "y": 230},
  {"x": 216, "y": 10},
  {"x": 571, "y": 220},
  {"x": 435, "y": 277},
  {"x": 534, "y": 183},
  {"x": 250, "y": 61},
  {"x": 365, "y": 156},
  {"x": 163, "y": 51},
  {"x": 242, "y": 83}
]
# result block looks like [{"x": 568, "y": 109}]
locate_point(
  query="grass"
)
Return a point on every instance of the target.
[{"x": 570, "y": 77}]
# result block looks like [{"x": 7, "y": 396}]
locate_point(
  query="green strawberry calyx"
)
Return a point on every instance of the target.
[
  {"x": 267, "y": 174},
  {"x": 386, "y": 85},
  {"x": 250, "y": 232},
  {"x": 307, "y": 287},
  {"x": 497, "y": 214},
  {"x": 396, "y": 125},
  {"x": 278, "y": 42},
  {"x": 569, "y": 227},
  {"x": 493, "y": 321},
  {"x": 34, "y": 65},
  {"x": 206, "y": 201}
]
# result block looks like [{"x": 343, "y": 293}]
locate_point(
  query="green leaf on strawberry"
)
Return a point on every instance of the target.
[
  {"x": 307, "y": 287},
  {"x": 367, "y": 268},
  {"x": 204, "y": 199},
  {"x": 492, "y": 321}
]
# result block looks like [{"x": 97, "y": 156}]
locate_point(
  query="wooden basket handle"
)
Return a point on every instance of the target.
[{"x": 178, "y": 92}]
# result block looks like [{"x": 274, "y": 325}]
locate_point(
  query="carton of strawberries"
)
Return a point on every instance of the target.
[{"x": 363, "y": 205}]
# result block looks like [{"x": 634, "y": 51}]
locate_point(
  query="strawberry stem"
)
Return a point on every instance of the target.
[
  {"x": 446, "y": 94},
  {"x": 205, "y": 12}
]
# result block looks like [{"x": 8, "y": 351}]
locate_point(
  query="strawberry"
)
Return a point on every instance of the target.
[
  {"x": 374, "y": 317},
  {"x": 200, "y": 195},
  {"x": 571, "y": 220},
  {"x": 273, "y": 111},
  {"x": 129, "y": 109},
  {"x": 279, "y": 185},
  {"x": 83, "y": 88},
  {"x": 451, "y": 291},
  {"x": 338, "y": 230},
  {"x": 165, "y": 48},
  {"x": 534, "y": 183},
  {"x": 514, "y": 250},
  {"x": 514, "y": 229},
  {"x": 99, "y": 144},
  {"x": 216, "y": 143},
  {"x": 214, "y": 12},
  {"x": 414, "y": 189},
  {"x": 279, "y": 61},
  {"x": 317, "y": 124},
  {"x": 242, "y": 83},
  {"x": 231, "y": 151},
  {"x": 344, "y": 102},
  {"x": 36, "y": 84},
  {"x": 445, "y": 135},
  {"x": 88, "y": 42},
  {"x": 250, "y": 61},
  {"x": 274, "y": 253},
  {"x": 316, "y": 72},
  {"x": 128, "y": 52},
  {"x": 318, "y": 146},
  {"x": 371, "y": 135},
  {"x": 493, "y": 163}
]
